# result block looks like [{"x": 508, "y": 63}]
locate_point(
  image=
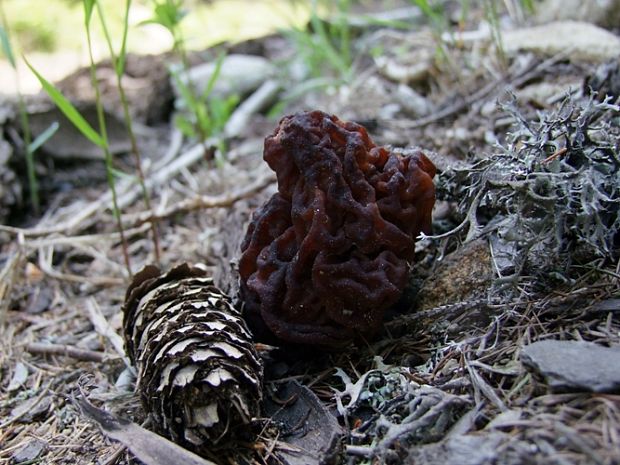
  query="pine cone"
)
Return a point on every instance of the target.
[{"x": 199, "y": 375}]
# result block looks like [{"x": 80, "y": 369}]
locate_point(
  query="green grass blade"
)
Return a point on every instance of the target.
[
  {"x": 122, "y": 56},
  {"x": 119, "y": 174},
  {"x": 6, "y": 47},
  {"x": 426, "y": 8},
  {"x": 528, "y": 5},
  {"x": 214, "y": 76},
  {"x": 331, "y": 54},
  {"x": 88, "y": 11},
  {"x": 203, "y": 117},
  {"x": 68, "y": 109},
  {"x": 187, "y": 95},
  {"x": 44, "y": 137},
  {"x": 184, "y": 125},
  {"x": 434, "y": 14},
  {"x": 344, "y": 31}
]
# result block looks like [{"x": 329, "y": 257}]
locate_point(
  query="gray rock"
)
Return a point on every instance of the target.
[
  {"x": 605, "y": 13},
  {"x": 462, "y": 450},
  {"x": 575, "y": 365},
  {"x": 29, "y": 452},
  {"x": 68, "y": 143},
  {"x": 407, "y": 57},
  {"x": 412, "y": 101},
  {"x": 579, "y": 40},
  {"x": 239, "y": 74},
  {"x": 19, "y": 378}
]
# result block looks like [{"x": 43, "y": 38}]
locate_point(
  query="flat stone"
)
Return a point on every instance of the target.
[
  {"x": 29, "y": 452},
  {"x": 604, "y": 13},
  {"x": 579, "y": 40},
  {"x": 68, "y": 143},
  {"x": 575, "y": 365},
  {"x": 239, "y": 74},
  {"x": 466, "y": 449}
]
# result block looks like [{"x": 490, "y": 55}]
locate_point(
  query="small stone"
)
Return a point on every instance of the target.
[
  {"x": 68, "y": 143},
  {"x": 542, "y": 94},
  {"x": 20, "y": 376},
  {"x": 580, "y": 41},
  {"x": 31, "y": 409},
  {"x": 29, "y": 452},
  {"x": 575, "y": 365},
  {"x": 389, "y": 111},
  {"x": 604, "y": 13},
  {"x": 412, "y": 101},
  {"x": 466, "y": 449},
  {"x": 239, "y": 74},
  {"x": 462, "y": 276}
]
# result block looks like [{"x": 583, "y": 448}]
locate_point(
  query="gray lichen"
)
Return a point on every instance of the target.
[
  {"x": 391, "y": 411},
  {"x": 550, "y": 197}
]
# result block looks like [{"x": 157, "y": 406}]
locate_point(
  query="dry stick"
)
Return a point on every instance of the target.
[
  {"x": 68, "y": 351},
  {"x": 103, "y": 328},
  {"x": 8, "y": 276},
  {"x": 132, "y": 137},
  {"x": 480, "y": 384},
  {"x": 44, "y": 392},
  {"x": 165, "y": 170},
  {"x": 78, "y": 240},
  {"x": 203, "y": 201},
  {"x": 85, "y": 218},
  {"x": 115, "y": 456},
  {"x": 106, "y": 149},
  {"x": 45, "y": 263},
  {"x": 522, "y": 76},
  {"x": 579, "y": 442}
]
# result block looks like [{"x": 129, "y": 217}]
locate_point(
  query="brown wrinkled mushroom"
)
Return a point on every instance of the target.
[{"x": 328, "y": 253}]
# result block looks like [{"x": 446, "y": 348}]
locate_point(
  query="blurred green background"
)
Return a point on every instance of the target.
[{"x": 51, "y": 32}]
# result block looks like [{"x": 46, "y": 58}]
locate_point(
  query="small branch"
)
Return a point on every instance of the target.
[
  {"x": 502, "y": 83},
  {"x": 202, "y": 202},
  {"x": 45, "y": 263},
  {"x": 85, "y": 355},
  {"x": 8, "y": 276},
  {"x": 360, "y": 451},
  {"x": 128, "y": 192},
  {"x": 103, "y": 327},
  {"x": 84, "y": 240}
]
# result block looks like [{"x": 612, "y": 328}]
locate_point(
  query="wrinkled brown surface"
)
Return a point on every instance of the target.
[{"x": 327, "y": 254}]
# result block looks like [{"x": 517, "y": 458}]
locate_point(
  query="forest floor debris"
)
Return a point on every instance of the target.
[{"x": 445, "y": 382}]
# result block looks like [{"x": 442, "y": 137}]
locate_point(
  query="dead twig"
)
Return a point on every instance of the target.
[
  {"x": 85, "y": 355},
  {"x": 519, "y": 78},
  {"x": 103, "y": 327},
  {"x": 45, "y": 263},
  {"x": 7, "y": 280},
  {"x": 82, "y": 217},
  {"x": 202, "y": 202},
  {"x": 482, "y": 386}
]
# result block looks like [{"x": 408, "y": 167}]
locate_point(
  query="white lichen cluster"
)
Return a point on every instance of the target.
[
  {"x": 549, "y": 199},
  {"x": 386, "y": 407}
]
